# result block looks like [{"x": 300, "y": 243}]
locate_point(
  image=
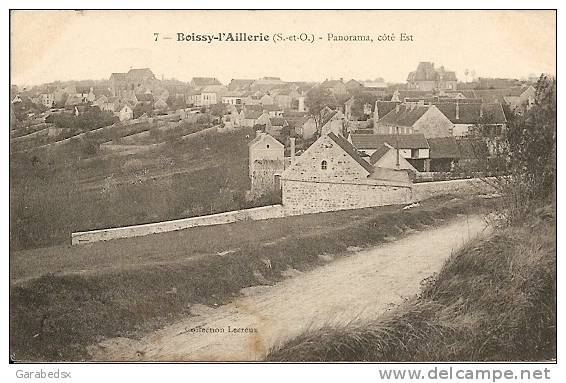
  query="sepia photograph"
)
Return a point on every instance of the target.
[{"x": 283, "y": 186}]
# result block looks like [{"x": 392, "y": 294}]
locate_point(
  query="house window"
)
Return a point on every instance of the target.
[
  {"x": 267, "y": 146},
  {"x": 414, "y": 153},
  {"x": 323, "y": 165}
]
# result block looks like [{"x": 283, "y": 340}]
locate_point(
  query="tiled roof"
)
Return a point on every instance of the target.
[
  {"x": 139, "y": 73},
  {"x": 406, "y": 116},
  {"x": 118, "y": 76},
  {"x": 375, "y": 141},
  {"x": 239, "y": 83},
  {"x": 204, "y": 81},
  {"x": 352, "y": 152},
  {"x": 213, "y": 89},
  {"x": 443, "y": 147},
  {"x": 497, "y": 95},
  {"x": 384, "y": 107},
  {"x": 473, "y": 113}
]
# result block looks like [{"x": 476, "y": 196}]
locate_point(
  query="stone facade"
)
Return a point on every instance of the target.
[
  {"x": 433, "y": 124},
  {"x": 305, "y": 197},
  {"x": 263, "y": 177},
  {"x": 330, "y": 175}
]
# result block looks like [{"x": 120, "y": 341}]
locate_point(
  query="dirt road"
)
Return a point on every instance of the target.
[{"x": 362, "y": 285}]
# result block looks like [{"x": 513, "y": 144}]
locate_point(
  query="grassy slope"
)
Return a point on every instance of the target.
[
  {"x": 55, "y": 316},
  {"x": 495, "y": 299},
  {"x": 47, "y": 202}
]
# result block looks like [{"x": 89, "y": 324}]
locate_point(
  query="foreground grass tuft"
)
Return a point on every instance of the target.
[
  {"x": 56, "y": 316},
  {"x": 494, "y": 300}
]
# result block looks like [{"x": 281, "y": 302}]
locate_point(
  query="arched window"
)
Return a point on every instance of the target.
[{"x": 323, "y": 165}]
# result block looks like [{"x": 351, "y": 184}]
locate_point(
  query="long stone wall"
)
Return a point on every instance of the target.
[
  {"x": 305, "y": 197},
  {"x": 258, "y": 213}
]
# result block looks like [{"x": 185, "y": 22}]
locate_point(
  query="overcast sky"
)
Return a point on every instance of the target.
[{"x": 66, "y": 45}]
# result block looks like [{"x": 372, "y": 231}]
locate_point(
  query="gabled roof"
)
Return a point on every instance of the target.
[
  {"x": 139, "y": 73},
  {"x": 407, "y": 115},
  {"x": 118, "y": 76},
  {"x": 384, "y": 107},
  {"x": 380, "y": 152},
  {"x": 204, "y": 81},
  {"x": 264, "y": 136},
  {"x": 213, "y": 89},
  {"x": 239, "y": 84},
  {"x": 443, "y": 147},
  {"x": 352, "y": 152},
  {"x": 375, "y": 141},
  {"x": 473, "y": 113},
  {"x": 497, "y": 95},
  {"x": 327, "y": 116}
]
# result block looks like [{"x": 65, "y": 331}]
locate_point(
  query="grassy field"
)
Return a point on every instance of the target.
[
  {"x": 494, "y": 300},
  {"x": 62, "y": 299},
  {"x": 54, "y": 195}
]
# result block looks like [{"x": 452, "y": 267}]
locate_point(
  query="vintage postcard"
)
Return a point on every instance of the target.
[{"x": 283, "y": 186}]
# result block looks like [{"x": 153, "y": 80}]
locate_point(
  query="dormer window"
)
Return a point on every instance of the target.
[{"x": 323, "y": 165}]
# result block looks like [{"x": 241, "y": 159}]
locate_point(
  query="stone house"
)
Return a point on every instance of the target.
[
  {"x": 427, "y": 78},
  {"x": 47, "y": 99},
  {"x": 331, "y": 175},
  {"x": 212, "y": 94},
  {"x": 136, "y": 80},
  {"x": 465, "y": 117},
  {"x": 125, "y": 112},
  {"x": 519, "y": 98},
  {"x": 411, "y": 118},
  {"x": 273, "y": 110},
  {"x": 413, "y": 147},
  {"x": 266, "y": 164},
  {"x": 233, "y": 97},
  {"x": 336, "y": 87},
  {"x": 387, "y": 157}
]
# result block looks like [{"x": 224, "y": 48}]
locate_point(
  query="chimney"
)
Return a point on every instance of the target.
[
  {"x": 457, "y": 111},
  {"x": 292, "y": 139},
  {"x": 481, "y": 110},
  {"x": 397, "y": 108},
  {"x": 257, "y": 133},
  {"x": 375, "y": 113}
]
